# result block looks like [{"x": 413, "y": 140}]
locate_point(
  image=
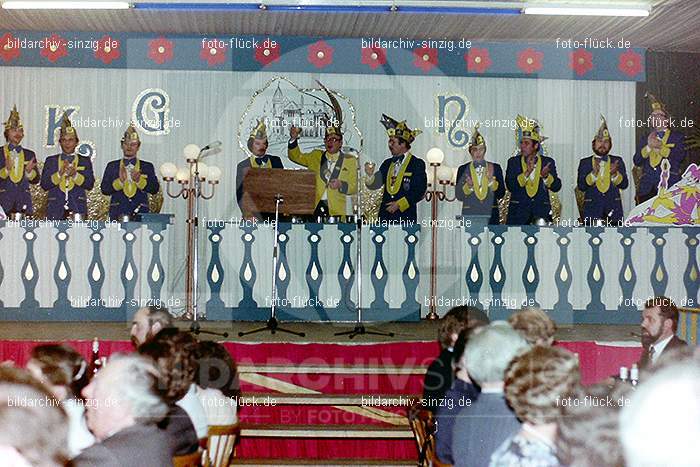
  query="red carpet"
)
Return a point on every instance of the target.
[{"x": 597, "y": 362}]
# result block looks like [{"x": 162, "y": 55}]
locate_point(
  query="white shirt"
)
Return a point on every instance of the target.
[
  {"x": 79, "y": 436},
  {"x": 328, "y": 166},
  {"x": 601, "y": 164},
  {"x": 220, "y": 410},
  {"x": 659, "y": 347},
  {"x": 398, "y": 164},
  {"x": 190, "y": 403}
]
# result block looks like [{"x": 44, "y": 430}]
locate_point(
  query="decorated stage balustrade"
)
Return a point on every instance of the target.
[{"x": 105, "y": 271}]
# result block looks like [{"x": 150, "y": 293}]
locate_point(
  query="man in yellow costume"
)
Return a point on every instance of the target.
[
  {"x": 336, "y": 171},
  {"x": 17, "y": 169},
  {"x": 129, "y": 180},
  {"x": 661, "y": 143},
  {"x": 67, "y": 177}
]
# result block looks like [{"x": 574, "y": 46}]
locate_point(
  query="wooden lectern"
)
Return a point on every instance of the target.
[{"x": 296, "y": 187}]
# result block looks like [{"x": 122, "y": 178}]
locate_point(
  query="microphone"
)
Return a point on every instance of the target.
[{"x": 210, "y": 146}]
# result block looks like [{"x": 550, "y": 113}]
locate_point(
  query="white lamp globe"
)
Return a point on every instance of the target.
[
  {"x": 214, "y": 174},
  {"x": 203, "y": 170},
  {"x": 191, "y": 152},
  {"x": 168, "y": 170},
  {"x": 435, "y": 156},
  {"x": 183, "y": 174},
  {"x": 444, "y": 174}
]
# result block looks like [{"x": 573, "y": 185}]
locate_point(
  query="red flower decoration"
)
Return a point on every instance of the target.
[
  {"x": 478, "y": 60},
  {"x": 160, "y": 50},
  {"x": 267, "y": 53},
  {"x": 581, "y": 61},
  {"x": 8, "y": 49},
  {"x": 107, "y": 50},
  {"x": 320, "y": 54},
  {"x": 212, "y": 53},
  {"x": 530, "y": 60},
  {"x": 373, "y": 56},
  {"x": 54, "y": 49},
  {"x": 425, "y": 58},
  {"x": 630, "y": 63}
]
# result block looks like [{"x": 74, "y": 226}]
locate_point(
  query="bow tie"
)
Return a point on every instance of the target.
[
  {"x": 602, "y": 158},
  {"x": 14, "y": 148},
  {"x": 397, "y": 159},
  {"x": 261, "y": 160},
  {"x": 479, "y": 164},
  {"x": 68, "y": 157},
  {"x": 129, "y": 161}
]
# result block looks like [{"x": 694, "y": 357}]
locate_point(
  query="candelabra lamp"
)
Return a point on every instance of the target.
[
  {"x": 439, "y": 178},
  {"x": 192, "y": 187}
]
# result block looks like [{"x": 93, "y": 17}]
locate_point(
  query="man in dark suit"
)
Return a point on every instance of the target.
[
  {"x": 67, "y": 177},
  {"x": 129, "y": 180},
  {"x": 530, "y": 176},
  {"x": 403, "y": 175},
  {"x": 600, "y": 178},
  {"x": 17, "y": 169},
  {"x": 659, "y": 324},
  {"x": 122, "y": 407},
  {"x": 260, "y": 159},
  {"x": 480, "y": 428},
  {"x": 480, "y": 183},
  {"x": 440, "y": 373},
  {"x": 661, "y": 143}
]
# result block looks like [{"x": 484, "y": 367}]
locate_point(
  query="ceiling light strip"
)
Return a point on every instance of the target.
[
  {"x": 568, "y": 10},
  {"x": 326, "y": 8},
  {"x": 60, "y": 5}
]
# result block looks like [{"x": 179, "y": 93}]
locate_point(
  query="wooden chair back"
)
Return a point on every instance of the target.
[
  {"x": 422, "y": 424},
  {"x": 221, "y": 444},
  {"x": 188, "y": 460}
]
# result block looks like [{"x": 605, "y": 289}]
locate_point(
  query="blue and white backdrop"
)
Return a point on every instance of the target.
[{"x": 48, "y": 272}]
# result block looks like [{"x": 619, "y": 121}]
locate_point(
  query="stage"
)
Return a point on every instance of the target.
[{"x": 324, "y": 396}]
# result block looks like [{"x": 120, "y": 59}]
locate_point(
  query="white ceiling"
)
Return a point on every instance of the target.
[{"x": 674, "y": 25}]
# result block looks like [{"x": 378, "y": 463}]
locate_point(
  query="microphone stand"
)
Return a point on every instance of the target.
[
  {"x": 272, "y": 324},
  {"x": 193, "y": 234},
  {"x": 359, "y": 328}
]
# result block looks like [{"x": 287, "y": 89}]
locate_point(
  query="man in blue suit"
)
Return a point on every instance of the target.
[
  {"x": 402, "y": 175},
  {"x": 600, "y": 178},
  {"x": 67, "y": 177},
  {"x": 17, "y": 168},
  {"x": 129, "y": 180},
  {"x": 480, "y": 183},
  {"x": 661, "y": 143},
  {"x": 530, "y": 176}
]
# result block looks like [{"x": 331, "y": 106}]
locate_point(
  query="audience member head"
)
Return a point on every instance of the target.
[
  {"x": 174, "y": 353},
  {"x": 148, "y": 322},
  {"x": 122, "y": 394},
  {"x": 458, "y": 318},
  {"x": 459, "y": 363},
  {"x": 216, "y": 369},
  {"x": 659, "y": 320},
  {"x": 661, "y": 423},
  {"x": 588, "y": 430},
  {"x": 537, "y": 381},
  {"x": 61, "y": 368},
  {"x": 33, "y": 426},
  {"x": 534, "y": 325},
  {"x": 489, "y": 352}
]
